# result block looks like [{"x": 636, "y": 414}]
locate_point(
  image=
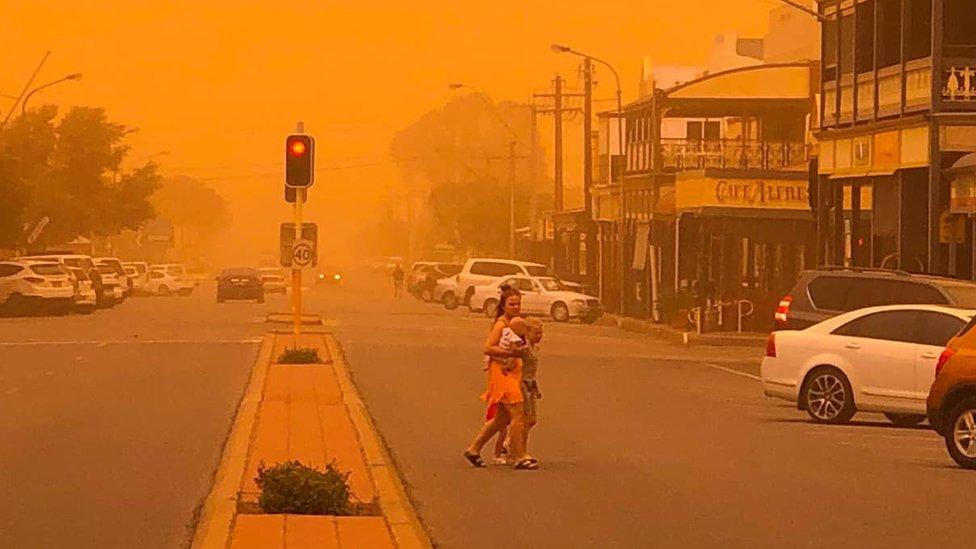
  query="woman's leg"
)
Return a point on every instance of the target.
[
  {"x": 516, "y": 431},
  {"x": 490, "y": 429},
  {"x": 500, "y": 442}
]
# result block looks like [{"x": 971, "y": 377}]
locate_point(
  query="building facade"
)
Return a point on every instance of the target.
[{"x": 898, "y": 112}]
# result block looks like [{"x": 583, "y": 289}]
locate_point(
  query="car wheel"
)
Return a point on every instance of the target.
[
  {"x": 905, "y": 420},
  {"x": 491, "y": 307},
  {"x": 17, "y": 305},
  {"x": 164, "y": 290},
  {"x": 560, "y": 312},
  {"x": 960, "y": 435},
  {"x": 450, "y": 301},
  {"x": 828, "y": 396}
]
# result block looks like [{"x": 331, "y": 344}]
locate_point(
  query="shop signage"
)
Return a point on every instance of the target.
[
  {"x": 742, "y": 193},
  {"x": 962, "y": 199}
]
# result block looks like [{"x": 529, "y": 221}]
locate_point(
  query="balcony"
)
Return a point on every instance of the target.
[{"x": 689, "y": 154}]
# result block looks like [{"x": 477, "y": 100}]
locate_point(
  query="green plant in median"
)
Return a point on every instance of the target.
[
  {"x": 299, "y": 355},
  {"x": 298, "y": 489}
]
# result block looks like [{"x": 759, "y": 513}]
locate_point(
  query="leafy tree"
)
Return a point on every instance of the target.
[
  {"x": 461, "y": 153},
  {"x": 70, "y": 171},
  {"x": 190, "y": 202}
]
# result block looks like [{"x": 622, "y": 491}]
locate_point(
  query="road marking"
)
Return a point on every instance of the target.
[
  {"x": 732, "y": 371},
  {"x": 103, "y": 343}
]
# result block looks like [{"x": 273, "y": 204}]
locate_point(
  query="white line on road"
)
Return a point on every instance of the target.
[
  {"x": 732, "y": 371},
  {"x": 103, "y": 343}
]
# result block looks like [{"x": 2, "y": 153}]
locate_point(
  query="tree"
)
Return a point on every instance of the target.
[
  {"x": 70, "y": 171},
  {"x": 461, "y": 153},
  {"x": 189, "y": 202}
]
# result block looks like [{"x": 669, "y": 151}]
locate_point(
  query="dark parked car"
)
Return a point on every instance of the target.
[
  {"x": 240, "y": 283},
  {"x": 826, "y": 292}
]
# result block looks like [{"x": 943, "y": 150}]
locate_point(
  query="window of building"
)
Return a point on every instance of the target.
[
  {"x": 889, "y": 33},
  {"x": 830, "y": 49},
  {"x": 918, "y": 29},
  {"x": 846, "y": 63},
  {"x": 865, "y": 37},
  {"x": 959, "y": 17}
]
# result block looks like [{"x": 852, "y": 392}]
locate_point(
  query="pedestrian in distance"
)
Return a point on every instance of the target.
[
  {"x": 398, "y": 281},
  {"x": 504, "y": 388}
]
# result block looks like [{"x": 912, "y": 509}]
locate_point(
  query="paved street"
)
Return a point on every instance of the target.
[
  {"x": 642, "y": 444},
  {"x": 639, "y": 451},
  {"x": 112, "y": 425}
]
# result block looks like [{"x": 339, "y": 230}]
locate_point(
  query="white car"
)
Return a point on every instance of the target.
[
  {"x": 540, "y": 296},
  {"x": 446, "y": 291},
  {"x": 274, "y": 280},
  {"x": 125, "y": 282},
  {"x": 482, "y": 271},
  {"x": 86, "y": 299},
  {"x": 165, "y": 281},
  {"x": 880, "y": 359},
  {"x": 141, "y": 277},
  {"x": 28, "y": 286},
  {"x": 113, "y": 285}
]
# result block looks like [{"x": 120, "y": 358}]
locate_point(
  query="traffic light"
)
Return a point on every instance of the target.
[
  {"x": 299, "y": 160},
  {"x": 291, "y": 194}
]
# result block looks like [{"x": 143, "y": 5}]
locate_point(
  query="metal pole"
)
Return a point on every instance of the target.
[
  {"x": 296, "y": 270},
  {"x": 558, "y": 147},
  {"x": 26, "y": 87},
  {"x": 620, "y": 178},
  {"x": 511, "y": 198}
]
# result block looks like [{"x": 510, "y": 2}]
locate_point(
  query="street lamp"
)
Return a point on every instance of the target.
[
  {"x": 560, "y": 48},
  {"x": 513, "y": 142},
  {"x": 23, "y": 104}
]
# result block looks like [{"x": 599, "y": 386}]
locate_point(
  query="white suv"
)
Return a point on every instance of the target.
[
  {"x": 28, "y": 286},
  {"x": 481, "y": 271},
  {"x": 167, "y": 280}
]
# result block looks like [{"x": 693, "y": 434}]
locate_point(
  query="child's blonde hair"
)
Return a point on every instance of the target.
[{"x": 534, "y": 325}]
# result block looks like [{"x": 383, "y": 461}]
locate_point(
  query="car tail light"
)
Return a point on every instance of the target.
[
  {"x": 783, "y": 310},
  {"x": 771, "y": 346},
  {"x": 34, "y": 280},
  {"x": 943, "y": 359}
]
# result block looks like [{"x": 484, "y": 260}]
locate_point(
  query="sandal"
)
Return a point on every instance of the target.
[
  {"x": 474, "y": 459},
  {"x": 527, "y": 464}
]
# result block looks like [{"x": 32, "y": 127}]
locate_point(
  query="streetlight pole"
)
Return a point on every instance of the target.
[
  {"x": 559, "y": 48},
  {"x": 23, "y": 104},
  {"x": 512, "y": 144}
]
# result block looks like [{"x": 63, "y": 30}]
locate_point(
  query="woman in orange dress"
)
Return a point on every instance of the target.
[{"x": 504, "y": 389}]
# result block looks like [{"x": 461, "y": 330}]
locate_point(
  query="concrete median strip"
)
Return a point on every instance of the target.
[{"x": 312, "y": 413}]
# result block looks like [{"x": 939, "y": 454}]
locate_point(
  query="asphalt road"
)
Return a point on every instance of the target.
[
  {"x": 112, "y": 425},
  {"x": 641, "y": 445}
]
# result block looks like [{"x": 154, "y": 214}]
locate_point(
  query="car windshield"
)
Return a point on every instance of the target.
[
  {"x": 105, "y": 269},
  {"x": 131, "y": 271},
  {"x": 80, "y": 274},
  {"x": 962, "y": 296},
  {"x": 48, "y": 269},
  {"x": 239, "y": 272},
  {"x": 538, "y": 270}
]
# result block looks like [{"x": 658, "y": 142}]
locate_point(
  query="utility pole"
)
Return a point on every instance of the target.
[
  {"x": 588, "y": 168},
  {"x": 558, "y": 148},
  {"x": 511, "y": 198}
]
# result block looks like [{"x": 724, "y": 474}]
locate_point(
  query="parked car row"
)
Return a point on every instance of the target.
[
  {"x": 889, "y": 342},
  {"x": 478, "y": 283},
  {"x": 60, "y": 283}
]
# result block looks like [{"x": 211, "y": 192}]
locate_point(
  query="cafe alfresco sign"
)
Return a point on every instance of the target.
[{"x": 741, "y": 193}]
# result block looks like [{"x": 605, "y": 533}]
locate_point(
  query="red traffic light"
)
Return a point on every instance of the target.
[
  {"x": 299, "y": 160},
  {"x": 297, "y": 147}
]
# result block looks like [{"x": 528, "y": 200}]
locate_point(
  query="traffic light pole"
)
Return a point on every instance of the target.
[{"x": 296, "y": 269}]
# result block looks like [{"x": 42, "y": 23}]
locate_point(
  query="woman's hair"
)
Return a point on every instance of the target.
[{"x": 506, "y": 293}]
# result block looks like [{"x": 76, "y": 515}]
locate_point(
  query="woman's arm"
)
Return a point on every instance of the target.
[{"x": 492, "y": 347}]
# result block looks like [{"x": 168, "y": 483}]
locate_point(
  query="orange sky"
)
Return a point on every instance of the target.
[{"x": 218, "y": 84}]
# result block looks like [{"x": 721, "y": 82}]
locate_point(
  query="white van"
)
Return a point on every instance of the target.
[{"x": 481, "y": 271}]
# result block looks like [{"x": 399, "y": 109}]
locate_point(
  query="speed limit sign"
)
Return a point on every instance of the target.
[{"x": 302, "y": 252}]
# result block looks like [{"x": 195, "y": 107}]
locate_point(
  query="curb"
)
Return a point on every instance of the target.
[
  {"x": 399, "y": 513},
  {"x": 220, "y": 508},
  {"x": 289, "y": 318},
  {"x": 666, "y": 333}
]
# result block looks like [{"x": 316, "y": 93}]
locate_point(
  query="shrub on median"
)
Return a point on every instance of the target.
[
  {"x": 299, "y": 355},
  {"x": 298, "y": 489}
]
